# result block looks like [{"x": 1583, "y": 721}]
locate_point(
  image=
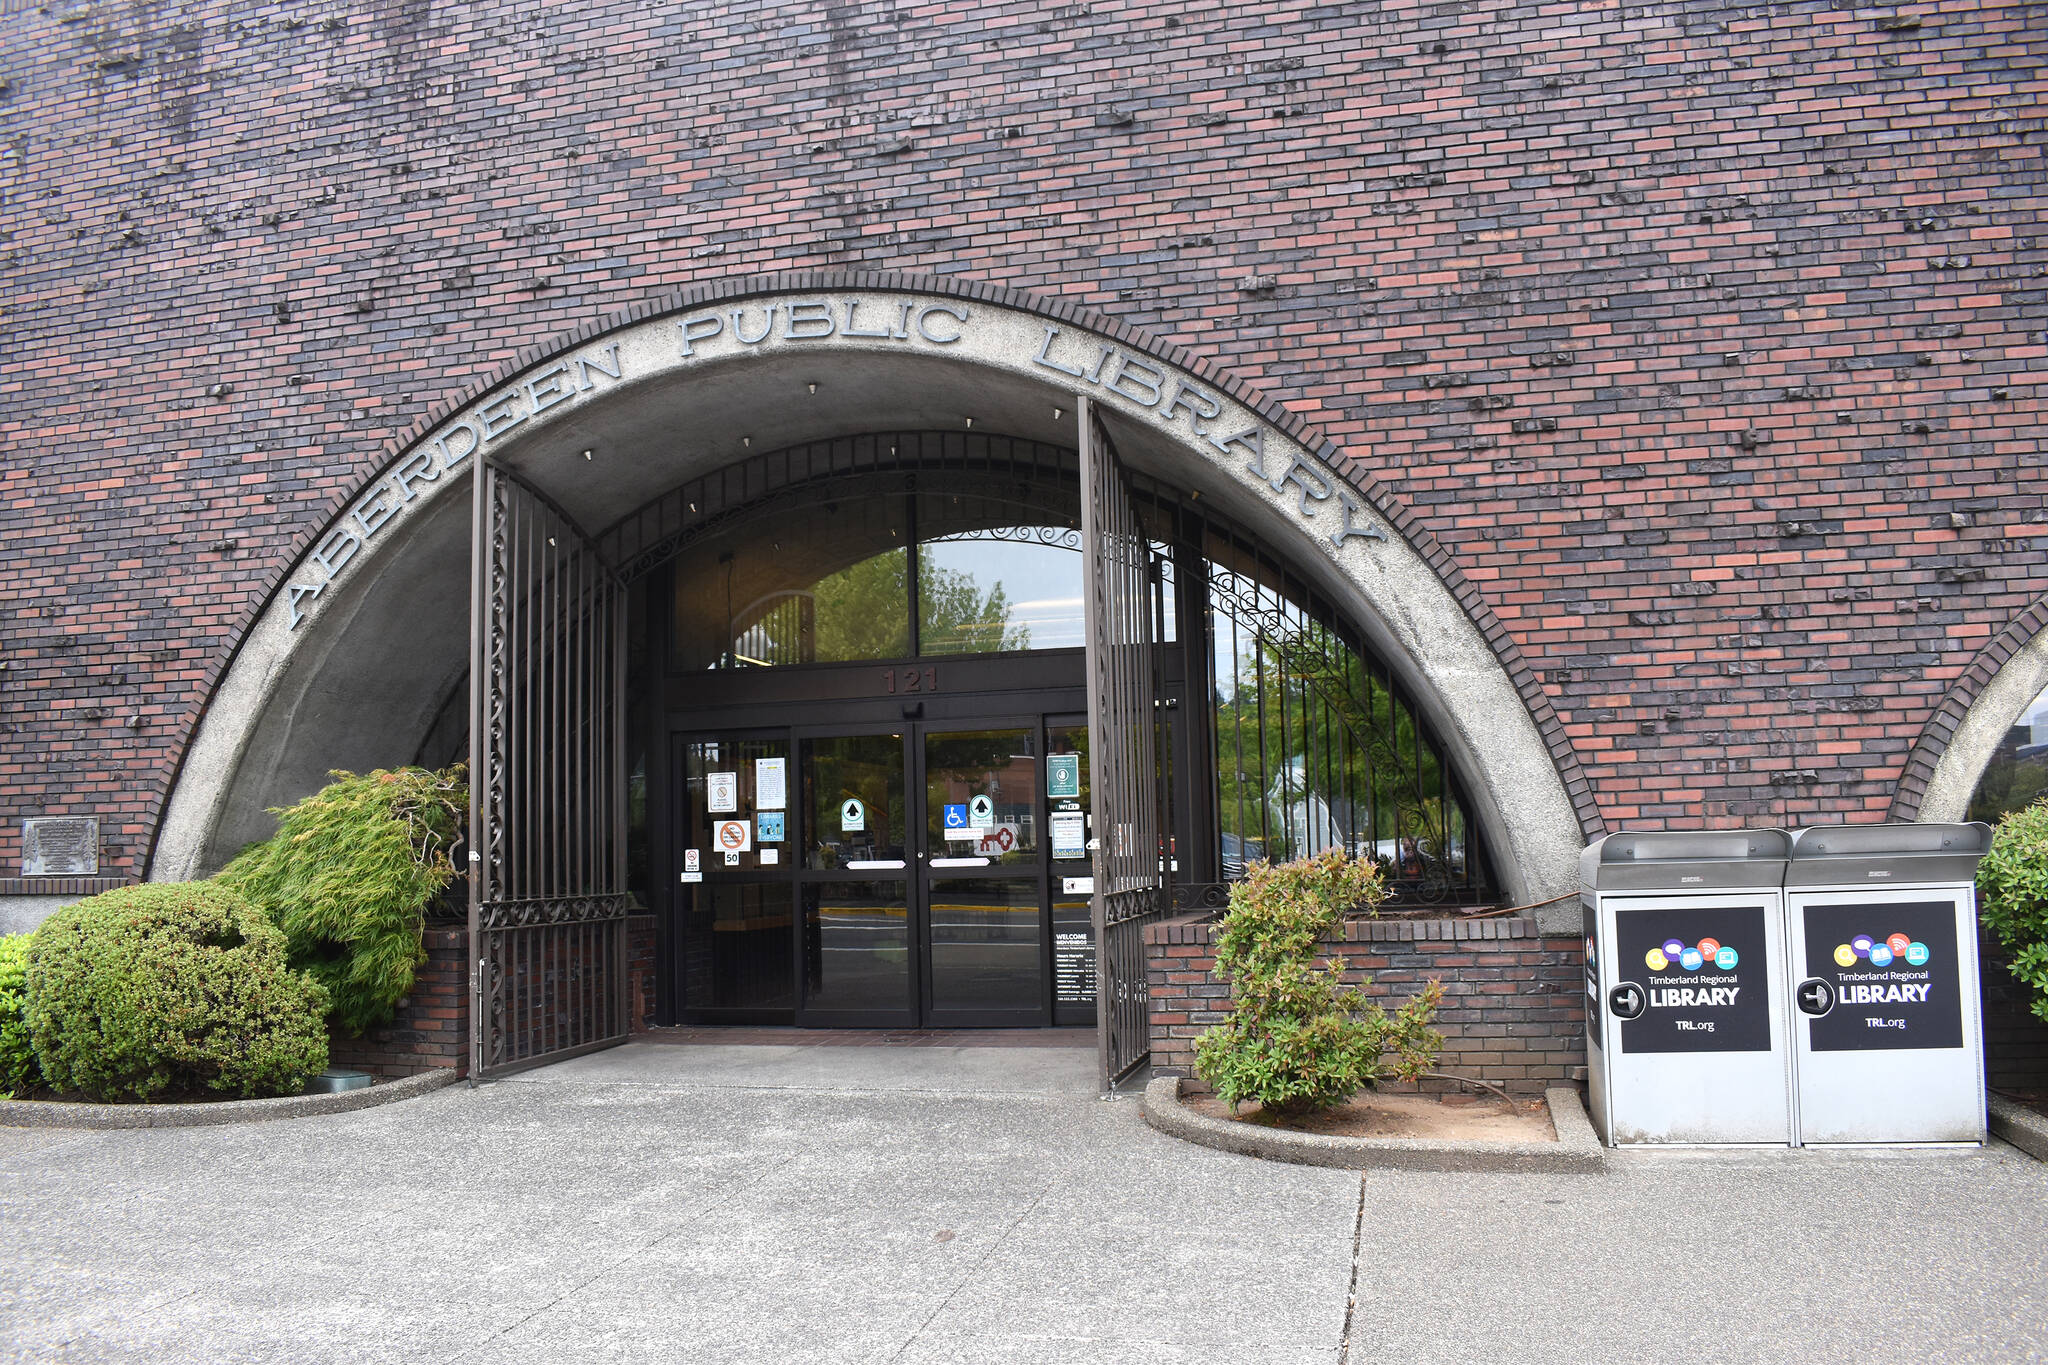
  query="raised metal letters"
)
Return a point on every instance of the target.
[
  {"x": 548, "y": 388},
  {"x": 1320, "y": 490},
  {"x": 815, "y": 320},
  {"x": 1145, "y": 384},
  {"x": 739, "y": 332},
  {"x": 1350, "y": 528},
  {"x": 1088, "y": 363}
]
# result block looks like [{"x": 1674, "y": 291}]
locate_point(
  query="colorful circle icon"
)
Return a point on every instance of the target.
[
  {"x": 1655, "y": 960},
  {"x": 1690, "y": 959},
  {"x": 1673, "y": 947},
  {"x": 1726, "y": 959},
  {"x": 1845, "y": 956},
  {"x": 1880, "y": 956},
  {"x": 1898, "y": 943},
  {"x": 1917, "y": 954},
  {"x": 1709, "y": 946},
  {"x": 1861, "y": 943}
]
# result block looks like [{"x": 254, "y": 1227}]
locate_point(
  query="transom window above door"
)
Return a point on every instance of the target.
[{"x": 860, "y": 572}]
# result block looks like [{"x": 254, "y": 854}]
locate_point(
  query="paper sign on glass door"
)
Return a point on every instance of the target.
[
  {"x": 770, "y": 787},
  {"x": 1069, "y": 836}
]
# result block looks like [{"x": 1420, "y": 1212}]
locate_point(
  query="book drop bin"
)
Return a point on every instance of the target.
[
  {"x": 1888, "y": 1033},
  {"x": 1686, "y": 1037}
]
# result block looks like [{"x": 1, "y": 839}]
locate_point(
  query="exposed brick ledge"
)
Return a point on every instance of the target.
[
  {"x": 1200, "y": 928},
  {"x": 61, "y": 886}
]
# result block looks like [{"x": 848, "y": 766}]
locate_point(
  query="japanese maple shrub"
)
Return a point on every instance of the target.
[
  {"x": 349, "y": 875},
  {"x": 2013, "y": 882},
  {"x": 1298, "y": 1039}
]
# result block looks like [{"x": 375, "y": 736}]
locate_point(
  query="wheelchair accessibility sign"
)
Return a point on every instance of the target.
[{"x": 956, "y": 823}]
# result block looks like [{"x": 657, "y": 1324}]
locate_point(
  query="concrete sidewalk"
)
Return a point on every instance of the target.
[{"x": 799, "y": 1204}]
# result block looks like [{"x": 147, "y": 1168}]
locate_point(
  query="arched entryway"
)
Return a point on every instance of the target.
[{"x": 356, "y": 658}]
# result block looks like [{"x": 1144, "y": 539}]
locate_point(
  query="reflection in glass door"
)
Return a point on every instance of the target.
[
  {"x": 858, "y": 938},
  {"x": 984, "y": 878},
  {"x": 735, "y": 938}
]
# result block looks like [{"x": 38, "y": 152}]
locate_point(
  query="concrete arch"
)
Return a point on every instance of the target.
[
  {"x": 346, "y": 644},
  {"x": 1957, "y": 743}
]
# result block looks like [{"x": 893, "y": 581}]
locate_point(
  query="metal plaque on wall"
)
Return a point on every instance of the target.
[{"x": 60, "y": 846}]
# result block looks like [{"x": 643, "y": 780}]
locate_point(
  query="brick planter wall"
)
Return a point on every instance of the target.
[
  {"x": 432, "y": 1026},
  {"x": 1512, "y": 998}
]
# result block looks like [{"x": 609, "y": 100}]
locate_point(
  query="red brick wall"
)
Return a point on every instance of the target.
[
  {"x": 640, "y": 969},
  {"x": 1704, "y": 336},
  {"x": 432, "y": 1025},
  {"x": 1512, "y": 1011},
  {"x": 431, "y": 1028}
]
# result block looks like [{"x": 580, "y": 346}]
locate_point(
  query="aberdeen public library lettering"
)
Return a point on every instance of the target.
[
  {"x": 1068, "y": 359},
  {"x": 554, "y": 384}
]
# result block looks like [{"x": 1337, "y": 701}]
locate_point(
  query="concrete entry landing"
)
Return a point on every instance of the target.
[
  {"x": 638, "y": 1205},
  {"x": 922, "y": 1061}
]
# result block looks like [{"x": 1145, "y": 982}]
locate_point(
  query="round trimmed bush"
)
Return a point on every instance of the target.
[
  {"x": 18, "y": 1068},
  {"x": 170, "y": 986}
]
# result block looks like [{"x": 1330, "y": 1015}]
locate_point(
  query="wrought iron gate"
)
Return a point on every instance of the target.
[
  {"x": 1122, "y": 602},
  {"x": 547, "y": 827}
]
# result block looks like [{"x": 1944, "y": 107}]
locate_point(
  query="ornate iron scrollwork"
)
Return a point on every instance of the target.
[
  {"x": 547, "y": 918},
  {"x": 1124, "y": 612},
  {"x": 1201, "y": 896},
  {"x": 551, "y": 910}
]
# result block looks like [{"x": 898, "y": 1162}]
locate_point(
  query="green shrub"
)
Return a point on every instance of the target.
[
  {"x": 1297, "y": 1038},
  {"x": 2013, "y": 885},
  {"x": 178, "y": 985},
  {"x": 348, "y": 877},
  {"x": 18, "y": 1068}
]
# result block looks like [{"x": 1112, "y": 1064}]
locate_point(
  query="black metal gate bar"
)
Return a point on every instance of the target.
[
  {"x": 547, "y": 917},
  {"x": 1131, "y": 868}
]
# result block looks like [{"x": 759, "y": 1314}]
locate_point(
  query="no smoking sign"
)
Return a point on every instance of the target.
[{"x": 733, "y": 836}]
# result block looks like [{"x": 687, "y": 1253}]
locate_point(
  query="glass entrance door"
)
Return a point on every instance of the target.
[
  {"x": 901, "y": 877},
  {"x": 733, "y": 940},
  {"x": 859, "y": 932},
  {"x": 988, "y": 949}
]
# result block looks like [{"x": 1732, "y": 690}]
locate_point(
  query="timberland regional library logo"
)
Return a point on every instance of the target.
[
  {"x": 1882, "y": 952},
  {"x": 1674, "y": 953}
]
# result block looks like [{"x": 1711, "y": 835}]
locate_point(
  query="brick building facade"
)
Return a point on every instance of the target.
[{"x": 1696, "y": 348}]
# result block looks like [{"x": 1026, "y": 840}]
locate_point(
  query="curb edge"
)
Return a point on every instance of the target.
[
  {"x": 64, "y": 1114},
  {"x": 2018, "y": 1125},
  {"x": 1576, "y": 1150}
]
